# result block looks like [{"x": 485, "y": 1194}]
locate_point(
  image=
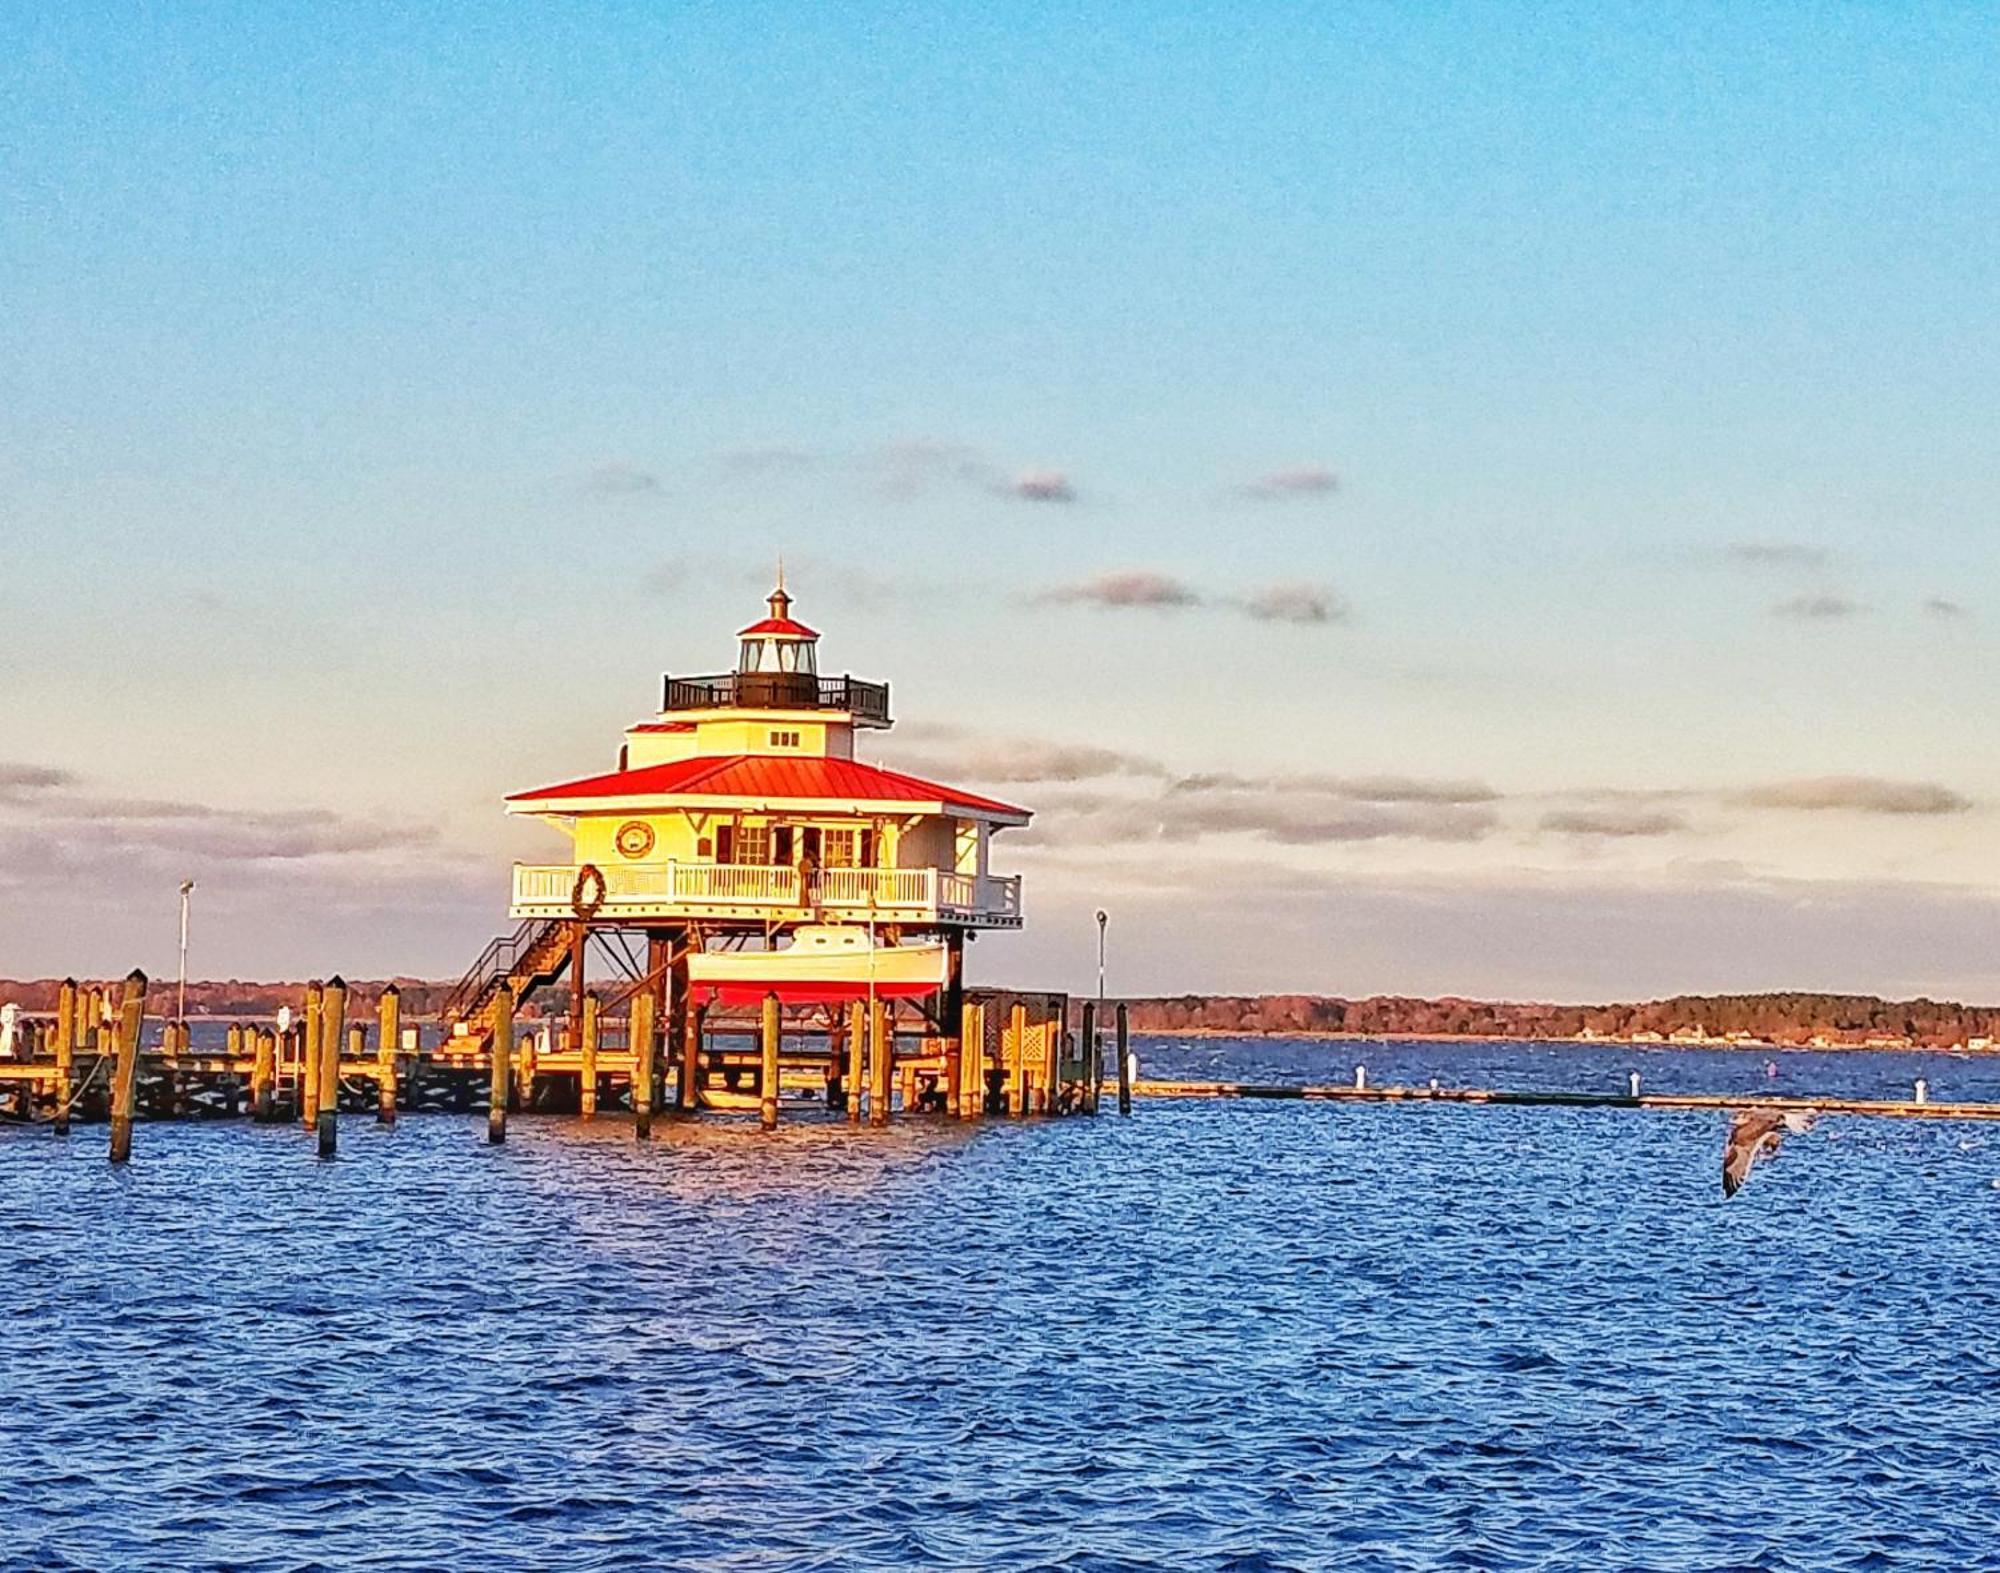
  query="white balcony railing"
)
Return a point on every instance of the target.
[{"x": 642, "y": 889}]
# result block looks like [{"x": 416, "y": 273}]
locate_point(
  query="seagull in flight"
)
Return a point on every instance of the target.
[{"x": 1754, "y": 1134}]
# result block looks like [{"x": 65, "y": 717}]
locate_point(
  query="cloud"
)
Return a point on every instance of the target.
[
  {"x": 1857, "y": 794},
  {"x": 19, "y": 781},
  {"x": 1041, "y": 486},
  {"x": 769, "y": 459},
  {"x": 1360, "y": 789},
  {"x": 619, "y": 480},
  {"x": 1282, "y": 816},
  {"x": 1304, "y": 480},
  {"x": 83, "y": 828},
  {"x": 1814, "y": 608},
  {"x": 1776, "y": 554},
  {"x": 1144, "y": 587},
  {"x": 1017, "y": 759},
  {"x": 1612, "y": 821},
  {"x": 1136, "y": 588},
  {"x": 1938, "y": 606},
  {"x": 1295, "y": 603}
]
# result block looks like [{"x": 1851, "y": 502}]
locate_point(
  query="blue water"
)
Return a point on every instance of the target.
[{"x": 1217, "y": 1335}]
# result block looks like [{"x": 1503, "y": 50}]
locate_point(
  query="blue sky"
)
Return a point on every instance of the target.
[{"x": 1604, "y": 398}]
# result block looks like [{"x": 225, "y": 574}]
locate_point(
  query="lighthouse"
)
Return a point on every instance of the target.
[{"x": 741, "y": 846}]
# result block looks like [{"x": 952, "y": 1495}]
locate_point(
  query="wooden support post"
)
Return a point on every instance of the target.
[
  {"x": 501, "y": 1040},
  {"x": 332, "y": 1035},
  {"x": 579, "y": 942},
  {"x": 89, "y": 1018},
  {"x": 125, "y": 1072},
  {"x": 586, "y": 1080},
  {"x": 263, "y": 1076},
  {"x": 388, "y": 1039},
  {"x": 881, "y": 1062},
  {"x": 767, "y": 1081},
  {"x": 1051, "y": 1063},
  {"x": 906, "y": 1087},
  {"x": 1088, "y": 1049},
  {"x": 972, "y": 1050},
  {"x": 65, "y": 1048},
  {"x": 309, "y": 1057},
  {"x": 951, "y": 1022},
  {"x": 687, "y": 1091},
  {"x": 1016, "y": 1059},
  {"x": 641, "y": 1033},
  {"x": 857, "y": 1048},
  {"x": 674, "y": 1012},
  {"x": 1124, "y": 1064}
]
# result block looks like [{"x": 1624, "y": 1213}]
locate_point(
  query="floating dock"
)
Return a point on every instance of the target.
[{"x": 1907, "y": 1108}]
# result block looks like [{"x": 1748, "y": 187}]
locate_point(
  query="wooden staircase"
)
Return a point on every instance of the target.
[{"x": 536, "y": 953}]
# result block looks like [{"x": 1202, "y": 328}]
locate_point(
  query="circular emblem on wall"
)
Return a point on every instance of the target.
[{"x": 635, "y": 838}]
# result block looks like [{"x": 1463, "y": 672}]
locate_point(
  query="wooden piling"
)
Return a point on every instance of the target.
[
  {"x": 332, "y": 1034},
  {"x": 767, "y": 1079},
  {"x": 528, "y": 1062},
  {"x": 1014, "y": 1055},
  {"x": 389, "y": 1037},
  {"x": 1124, "y": 1062},
  {"x": 881, "y": 1062},
  {"x": 857, "y": 1051},
  {"x": 502, "y": 1062},
  {"x": 688, "y": 1084},
  {"x": 1093, "y": 1071},
  {"x": 640, "y": 1030},
  {"x": 586, "y": 1053},
  {"x": 309, "y": 1056},
  {"x": 673, "y": 1013},
  {"x": 125, "y": 1072},
  {"x": 1051, "y": 1063},
  {"x": 65, "y": 1047},
  {"x": 972, "y": 1043},
  {"x": 264, "y": 1077}
]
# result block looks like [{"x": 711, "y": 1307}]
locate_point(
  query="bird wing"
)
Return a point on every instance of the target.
[{"x": 1753, "y": 1134}]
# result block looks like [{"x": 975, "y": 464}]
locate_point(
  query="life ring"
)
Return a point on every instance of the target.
[
  {"x": 634, "y": 838},
  {"x": 589, "y": 891}
]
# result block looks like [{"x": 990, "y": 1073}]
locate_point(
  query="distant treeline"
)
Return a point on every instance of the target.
[
  {"x": 1776, "y": 1018},
  {"x": 420, "y": 997}
]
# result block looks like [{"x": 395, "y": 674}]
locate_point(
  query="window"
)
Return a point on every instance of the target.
[
  {"x": 840, "y": 848},
  {"x": 753, "y": 844},
  {"x": 784, "y": 740}
]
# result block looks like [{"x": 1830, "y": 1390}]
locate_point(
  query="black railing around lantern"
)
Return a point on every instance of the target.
[{"x": 778, "y": 691}]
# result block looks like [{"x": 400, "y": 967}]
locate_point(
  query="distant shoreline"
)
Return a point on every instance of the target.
[{"x": 1735, "y": 1046}]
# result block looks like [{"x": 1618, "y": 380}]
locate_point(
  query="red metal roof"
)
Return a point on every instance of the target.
[
  {"x": 662, "y": 726},
  {"x": 767, "y": 777},
  {"x": 779, "y": 625}
]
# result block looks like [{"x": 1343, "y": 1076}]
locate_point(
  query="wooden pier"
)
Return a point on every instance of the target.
[{"x": 99, "y": 1057}]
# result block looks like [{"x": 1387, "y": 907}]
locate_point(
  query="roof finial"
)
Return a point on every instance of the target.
[{"x": 781, "y": 603}]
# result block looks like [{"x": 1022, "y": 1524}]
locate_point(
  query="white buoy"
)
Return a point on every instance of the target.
[
  {"x": 1132, "y": 1059},
  {"x": 1434, "y": 1086},
  {"x": 1923, "y": 1090},
  {"x": 1632, "y": 1083},
  {"x": 1360, "y": 1077}
]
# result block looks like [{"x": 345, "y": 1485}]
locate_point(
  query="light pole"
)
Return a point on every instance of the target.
[
  {"x": 1103, "y": 918},
  {"x": 181, "y": 1008}
]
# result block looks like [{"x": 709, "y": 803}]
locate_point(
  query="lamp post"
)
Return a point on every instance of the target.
[
  {"x": 1103, "y": 918},
  {"x": 181, "y": 1006}
]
